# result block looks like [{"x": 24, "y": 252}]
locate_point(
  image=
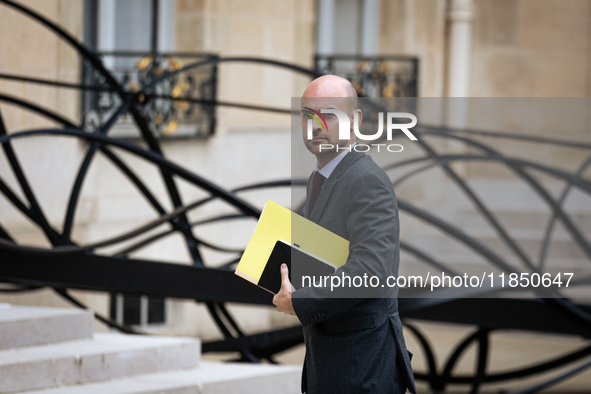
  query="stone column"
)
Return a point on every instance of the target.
[
  {"x": 459, "y": 18},
  {"x": 459, "y": 37}
]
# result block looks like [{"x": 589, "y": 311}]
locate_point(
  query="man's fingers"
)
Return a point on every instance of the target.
[
  {"x": 283, "y": 299},
  {"x": 284, "y": 271},
  {"x": 285, "y": 277}
]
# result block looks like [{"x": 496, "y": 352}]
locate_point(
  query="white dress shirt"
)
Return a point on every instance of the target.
[{"x": 331, "y": 165}]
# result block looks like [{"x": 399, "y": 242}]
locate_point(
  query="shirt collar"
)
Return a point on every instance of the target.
[{"x": 331, "y": 165}]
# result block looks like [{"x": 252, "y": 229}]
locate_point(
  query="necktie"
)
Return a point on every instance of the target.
[{"x": 317, "y": 183}]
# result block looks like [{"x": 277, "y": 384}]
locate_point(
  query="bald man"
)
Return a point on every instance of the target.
[{"x": 354, "y": 343}]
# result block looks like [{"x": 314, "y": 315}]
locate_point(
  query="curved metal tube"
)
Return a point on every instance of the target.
[
  {"x": 583, "y": 185},
  {"x": 556, "y": 206},
  {"x": 552, "y": 221},
  {"x": 432, "y": 375}
]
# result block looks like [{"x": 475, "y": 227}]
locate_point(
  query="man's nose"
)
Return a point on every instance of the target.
[
  {"x": 316, "y": 125},
  {"x": 313, "y": 126}
]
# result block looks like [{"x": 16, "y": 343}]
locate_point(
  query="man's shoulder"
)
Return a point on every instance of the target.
[{"x": 365, "y": 168}]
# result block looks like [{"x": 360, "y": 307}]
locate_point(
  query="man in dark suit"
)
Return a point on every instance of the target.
[{"x": 354, "y": 341}]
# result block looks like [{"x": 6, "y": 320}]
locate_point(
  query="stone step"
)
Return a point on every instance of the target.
[
  {"x": 30, "y": 326},
  {"x": 208, "y": 378},
  {"x": 520, "y": 218},
  {"x": 106, "y": 356},
  {"x": 513, "y": 193},
  {"x": 473, "y": 264},
  {"x": 561, "y": 246}
]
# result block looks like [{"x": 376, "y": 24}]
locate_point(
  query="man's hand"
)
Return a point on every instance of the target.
[{"x": 283, "y": 299}]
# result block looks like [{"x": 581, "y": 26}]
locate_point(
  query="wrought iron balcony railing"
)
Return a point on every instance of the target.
[
  {"x": 180, "y": 106},
  {"x": 374, "y": 76}
]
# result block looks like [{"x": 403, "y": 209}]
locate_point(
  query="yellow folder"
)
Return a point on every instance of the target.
[{"x": 279, "y": 223}]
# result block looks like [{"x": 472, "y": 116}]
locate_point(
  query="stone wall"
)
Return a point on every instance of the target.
[
  {"x": 520, "y": 48},
  {"x": 109, "y": 204}
]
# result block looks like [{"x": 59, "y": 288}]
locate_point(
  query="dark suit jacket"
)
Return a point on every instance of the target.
[{"x": 355, "y": 345}]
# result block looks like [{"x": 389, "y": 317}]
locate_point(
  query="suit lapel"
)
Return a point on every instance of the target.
[
  {"x": 308, "y": 191},
  {"x": 330, "y": 183}
]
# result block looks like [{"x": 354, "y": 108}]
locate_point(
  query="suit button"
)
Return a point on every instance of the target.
[{"x": 312, "y": 318}]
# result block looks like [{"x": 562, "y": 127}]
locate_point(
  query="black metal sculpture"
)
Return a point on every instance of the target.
[{"x": 69, "y": 266}]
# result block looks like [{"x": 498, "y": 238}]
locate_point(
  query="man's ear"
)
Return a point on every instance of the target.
[{"x": 359, "y": 118}]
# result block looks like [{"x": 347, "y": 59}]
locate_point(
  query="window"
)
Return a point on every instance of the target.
[
  {"x": 135, "y": 40},
  {"x": 347, "y": 27},
  {"x": 133, "y": 25},
  {"x": 141, "y": 311}
]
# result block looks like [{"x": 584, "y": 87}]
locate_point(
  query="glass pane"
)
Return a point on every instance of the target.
[
  {"x": 156, "y": 311},
  {"x": 131, "y": 310}
]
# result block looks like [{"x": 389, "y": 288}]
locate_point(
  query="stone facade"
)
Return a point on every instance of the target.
[{"x": 520, "y": 48}]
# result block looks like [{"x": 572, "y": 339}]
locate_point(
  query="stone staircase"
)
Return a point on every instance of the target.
[
  {"x": 54, "y": 350},
  {"x": 520, "y": 211}
]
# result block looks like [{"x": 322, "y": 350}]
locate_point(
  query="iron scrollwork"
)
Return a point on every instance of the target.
[
  {"x": 140, "y": 96},
  {"x": 180, "y": 106},
  {"x": 374, "y": 76}
]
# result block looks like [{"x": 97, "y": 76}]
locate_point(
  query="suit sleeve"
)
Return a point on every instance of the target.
[{"x": 372, "y": 228}]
